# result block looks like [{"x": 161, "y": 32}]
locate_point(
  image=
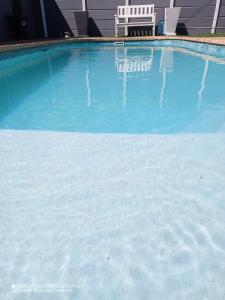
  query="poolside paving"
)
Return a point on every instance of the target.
[{"x": 11, "y": 46}]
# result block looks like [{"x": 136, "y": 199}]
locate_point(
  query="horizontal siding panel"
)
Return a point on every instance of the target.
[
  {"x": 194, "y": 22},
  {"x": 68, "y": 14},
  {"x": 69, "y": 4},
  {"x": 71, "y": 23},
  {"x": 222, "y": 11},
  {"x": 196, "y": 12},
  {"x": 102, "y": 15},
  {"x": 220, "y": 30},
  {"x": 221, "y": 22},
  {"x": 103, "y": 4},
  {"x": 105, "y": 24},
  {"x": 112, "y": 4},
  {"x": 195, "y": 3},
  {"x": 198, "y": 30},
  {"x": 108, "y": 33},
  {"x": 158, "y": 3}
]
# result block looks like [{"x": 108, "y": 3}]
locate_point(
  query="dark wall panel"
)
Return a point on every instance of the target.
[
  {"x": 31, "y": 9},
  {"x": 5, "y": 10},
  {"x": 221, "y": 19},
  {"x": 35, "y": 26}
]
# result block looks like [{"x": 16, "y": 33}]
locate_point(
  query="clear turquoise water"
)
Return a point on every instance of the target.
[
  {"x": 113, "y": 216},
  {"x": 138, "y": 88}
]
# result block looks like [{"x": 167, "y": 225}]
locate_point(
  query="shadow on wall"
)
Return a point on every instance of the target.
[
  {"x": 20, "y": 19},
  {"x": 93, "y": 29},
  {"x": 56, "y": 22},
  {"x": 181, "y": 29}
]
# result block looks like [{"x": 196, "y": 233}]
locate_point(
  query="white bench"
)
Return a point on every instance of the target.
[{"x": 126, "y": 12}]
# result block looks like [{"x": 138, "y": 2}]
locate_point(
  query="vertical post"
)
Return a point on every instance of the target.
[
  {"x": 127, "y": 2},
  {"x": 43, "y": 15},
  {"x": 216, "y": 14},
  {"x": 172, "y": 3},
  {"x": 84, "y": 5}
]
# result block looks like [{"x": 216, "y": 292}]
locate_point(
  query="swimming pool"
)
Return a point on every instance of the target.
[
  {"x": 151, "y": 87},
  {"x": 129, "y": 204}
]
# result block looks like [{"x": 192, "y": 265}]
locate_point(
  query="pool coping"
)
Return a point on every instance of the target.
[{"x": 12, "y": 46}]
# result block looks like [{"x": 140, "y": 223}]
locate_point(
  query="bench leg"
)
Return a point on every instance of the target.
[
  {"x": 153, "y": 30},
  {"x": 116, "y": 30}
]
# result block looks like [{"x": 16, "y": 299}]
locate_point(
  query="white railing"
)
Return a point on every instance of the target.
[
  {"x": 135, "y": 11},
  {"x": 126, "y": 63}
]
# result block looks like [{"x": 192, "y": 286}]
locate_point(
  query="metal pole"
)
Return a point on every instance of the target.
[
  {"x": 172, "y": 3},
  {"x": 84, "y": 5},
  {"x": 127, "y": 2},
  {"x": 44, "y": 18},
  {"x": 216, "y": 14}
]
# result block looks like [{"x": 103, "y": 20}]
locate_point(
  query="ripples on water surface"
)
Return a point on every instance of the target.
[{"x": 116, "y": 216}]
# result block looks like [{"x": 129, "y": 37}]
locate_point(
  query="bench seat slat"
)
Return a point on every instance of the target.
[{"x": 135, "y": 24}]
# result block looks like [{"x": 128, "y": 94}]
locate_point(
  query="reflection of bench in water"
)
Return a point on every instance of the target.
[
  {"x": 130, "y": 63},
  {"x": 133, "y": 66},
  {"x": 127, "y": 63}
]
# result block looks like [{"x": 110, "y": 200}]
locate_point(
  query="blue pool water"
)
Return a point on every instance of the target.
[
  {"x": 137, "y": 88},
  {"x": 113, "y": 216}
]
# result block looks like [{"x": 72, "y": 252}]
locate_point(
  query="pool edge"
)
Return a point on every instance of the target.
[{"x": 37, "y": 44}]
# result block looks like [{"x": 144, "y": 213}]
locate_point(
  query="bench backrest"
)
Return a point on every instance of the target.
[{"x": 135, "y": 11}]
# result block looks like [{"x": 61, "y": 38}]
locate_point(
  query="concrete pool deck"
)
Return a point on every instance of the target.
[
  {"x": 116, "y": 216},
  {"x": 18, "y": 45}
]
